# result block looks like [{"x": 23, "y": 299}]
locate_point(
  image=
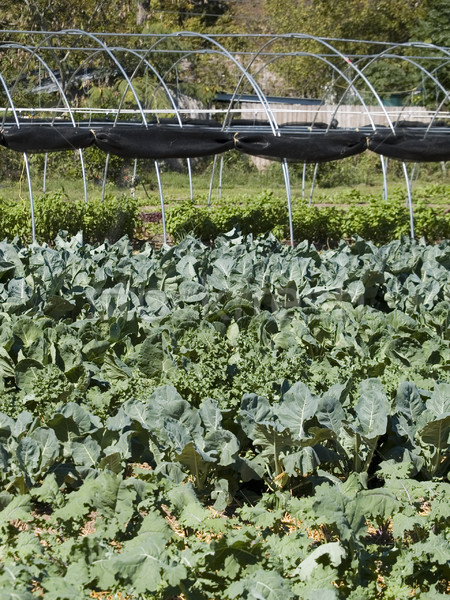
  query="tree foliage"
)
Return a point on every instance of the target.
[
  {"x": 309, "y": 74},
  {"x": 389, "y": 21}
]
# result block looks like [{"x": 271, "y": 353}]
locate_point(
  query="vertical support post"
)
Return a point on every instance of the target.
[
  {"x": 191, "y": 187},
  {"x": 409, "y": 199},
  {"x": 213, "y": 172},
  {"x": 105, "y": 173},
  {"x": 303, "y": 180},
  {"x": 44, "y": 177},
  {"x": 83, "y": 174},
  {"x": 30, "y": 191},
  {"x": 220, "y": 176},
  {"x": 163, "y": 213},
  {"x": 316, "y": 166},
  {"x": 133, "y": 179},
  {"x": 384, "y": 161},
  {"x": 289, "y": 199}
]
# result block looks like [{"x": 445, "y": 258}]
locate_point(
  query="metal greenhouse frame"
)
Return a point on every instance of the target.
[{"x": 157, "y": 60}]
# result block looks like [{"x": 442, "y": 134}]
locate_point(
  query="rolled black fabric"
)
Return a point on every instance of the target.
[
  {"x": 411, "y": 146},
  {"x": 159, "y": 142},
  {"x": 313, "y": 125},
  {"x": 309, "y": 148},
  {"x": 45, "y": 138}
]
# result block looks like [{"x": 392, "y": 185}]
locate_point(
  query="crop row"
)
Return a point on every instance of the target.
[{"x": 243, "y": 421}]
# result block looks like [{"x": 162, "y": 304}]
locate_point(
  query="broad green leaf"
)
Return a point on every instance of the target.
[
  {"x": 333, "y": 550},
  {"x": 28, "y": 546},
  {"x": 261, "y": 585},
  {"x": 143, "y": 560},
  {"x": 28, "y": 455},
  {"x": 49, "y": 492},
  {"x": 18, "y": 508},
  {"x": 296, "y": 407},
  {"x": 221, "y": 495},
  {"x": 256, "y": 410},
  {"x": 73, "y": 421},
  {"x": 166, "y": 405},
  {"x": 402, "y": 523},
  {"x": 347, "y": 514},
  {"x": 439, "y": 403},
  {"x": 302, "y": 462},
  {"x": 58, "y": 589},
  {"x": 436, "y": 549},
  {"x": 48, "y": 446},
  {"x": 409, "y": 402},
  {"x": 4, "y": 459},
  {"x": 29, "y": 330},
  {"x": 57, "y": 307},
  {"x": 355, "y": 292},
  {"x": 436, "y": 435},
  {"x": 26, "y": 373},
  {"x": 377, "y": 503},
  {"x": 196, "y": 461},
  {"x": 6, "y": 425},
  {"x": 6, "y": 364},
  {"x": 211, "y": 415},
  {"x": 85, "y": 452},
  {"x": 330, "y": 413},
  {"x": 78, "y": 503},
  {"x": 372, "y": 409},
  {"x": 16, "y": 594},
  {"x": 111, "y": 462},
  {"x": 223, "y": 445}
]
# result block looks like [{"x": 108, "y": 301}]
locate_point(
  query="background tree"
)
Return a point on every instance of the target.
[{"x": 382, "y": 20}]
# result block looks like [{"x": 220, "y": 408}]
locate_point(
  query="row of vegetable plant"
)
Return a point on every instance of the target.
[
  {"x": 324, "y": 223},
  {"x": 332, "y": 217}
]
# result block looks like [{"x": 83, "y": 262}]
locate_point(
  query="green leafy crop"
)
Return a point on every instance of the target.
[{"x": 246, "y": 420}]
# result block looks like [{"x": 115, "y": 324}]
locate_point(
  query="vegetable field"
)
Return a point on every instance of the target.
[{"x": 248, "y": 420}]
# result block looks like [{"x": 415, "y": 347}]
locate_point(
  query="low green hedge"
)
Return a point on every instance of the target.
[
  {"x": 377, "y": 220},
  {"x": 109, "y": 219}
]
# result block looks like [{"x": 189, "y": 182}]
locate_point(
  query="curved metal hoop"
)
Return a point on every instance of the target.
[{"x": 249, "y": 66}]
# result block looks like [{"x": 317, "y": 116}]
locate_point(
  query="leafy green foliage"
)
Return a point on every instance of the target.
[
  {"x": 248, "y": 420},
  {"x": 109, "y": 219},
  {"x": 375, "y": 219}
]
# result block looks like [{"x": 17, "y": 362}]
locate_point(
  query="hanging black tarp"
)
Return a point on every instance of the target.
[
  {"x": 311, "y": 124},
  {"x": 309, "y": 148},
  {"x": 45, "y": 138},
  {"x": 411, "y": 146},
  {"x": 163, "y": 141},
  {"x": 159, "y": 142}
]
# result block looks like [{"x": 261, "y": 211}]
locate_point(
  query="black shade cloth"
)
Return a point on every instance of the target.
[
  {"x": 411, "y": 146},
  {"x": 159, "y": 142},
  {"x": 310, "y": 148},
  {"x": 312, "y": 124},
  {"x": 162, "y": 141},
  {"x": 45, "y": 138}
]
